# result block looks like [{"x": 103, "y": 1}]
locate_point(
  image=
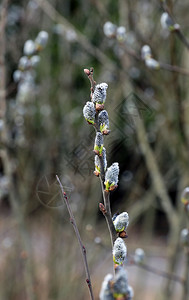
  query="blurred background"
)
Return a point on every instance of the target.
[{"x": 43, "y": 133}]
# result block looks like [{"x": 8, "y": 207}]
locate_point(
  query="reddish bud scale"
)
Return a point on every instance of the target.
[
  {"x": 106, "y": 132},
  {"x": 87, "y": 72},
  {"x": 96, "y": 173},
  {"x": 102, "y": 208},
  {"x": 123, "y": 234},
  {"x": 99, "y": 107}
]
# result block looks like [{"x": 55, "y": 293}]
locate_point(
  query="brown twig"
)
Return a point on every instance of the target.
[
  {"x": 89, "y": 73},
  {"x": 82, "y": 247},
  {"x": 172, "y": 68},
  {"x": 159, "y": 272},
  {"x": 182, "y": 38},
  {"x": 108, "y": 216}
]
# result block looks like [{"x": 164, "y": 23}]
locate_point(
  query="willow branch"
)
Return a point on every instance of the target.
[
  {"x": 105, "y": 209},
  {"x": 172, "y": 68},
  {"x": 182, "y": 38},
  {"x": 82, "y": 247},
  {"x": 163, "y": 66},
  {"x": 159, "y": 272}
]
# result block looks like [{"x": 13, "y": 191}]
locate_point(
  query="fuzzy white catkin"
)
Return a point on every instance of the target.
[
  {"x": 185, "y": 195},
  {"x": 23, "y": 63},
  {"x": 146, "y": 52},
  {"x": 17, "y": 75},
  {"x": 109, "y": 29},
  {"x": 119, "y": 251},
  {"x": 35, "y": 59},
  {"x": 166, "y": 21},
  {"x": 121, "y": 34},
  {"x": 112, "y": 174},
  {"x": 121, "y": 221},
  {"x": 103, "y": 118},
  {"x": 105, "y": 293},
  {"x": 42, "y": 38},
  {"x": 130, "y": 293},
  {"x": 104, "y": 158},
  {"x": 99, "y": 95},
  {"x": 152, "y": 63},
  {"x": 121, "y": 281},
  {"x": 29, "y": 48},
  {"x": 184, "y": 237},
  {"x": 89, "y": 112},
  {"x": 139, "y": 256},
  {"x": 97, "y": 159},
  {"x": 99, "y": 141}
]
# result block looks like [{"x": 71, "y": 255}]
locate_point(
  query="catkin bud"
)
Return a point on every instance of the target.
[
  {"x": 97, "y": 162},
  {"x": 121, "y": 34},
  {"x": 121, "y": 222},
  {"x": 35, "y": 59},
  {"x": 41, "y": 40},
  {"x": 111, "y": 177},
  {"x": 120, "y": 287},
  {"x": 139, "y": 256},
  {"x": 130, "y": 293},
  {"x": 167, "y": 22},
  {"x": 99, "y": 95},
  {"x": 184, "y": 237},
  {"x": 103, "y": 121},
  {"x": 152, "y": 63},
  {"x": 106, "y": 293},
  {"x": 119, "y": 251},
  {"x": 146, "y": 52},
  {"x": 89, "y": 112},
  {"x": 29, "y": 48},
  {"x": 97, "y": 165},
  {"x": 185, "y": 196},
  {"x": 109, "y": 29},
  {"x": 99, "y": 141},
  {"x": 146, "y": 55},
  {"x": 23, "y": 63},
  {"x": 17, "y": 75}
]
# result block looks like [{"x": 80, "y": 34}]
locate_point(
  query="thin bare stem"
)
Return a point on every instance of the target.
[
  {"x": 182, "y": 38},
  {"x": 171, "y": 68},
  {"x": 82, "y": 247},
  {"x": 159, "y": 272},
  {"x": 108, "y": 216},
  {"x": 89, "y": 73}
]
